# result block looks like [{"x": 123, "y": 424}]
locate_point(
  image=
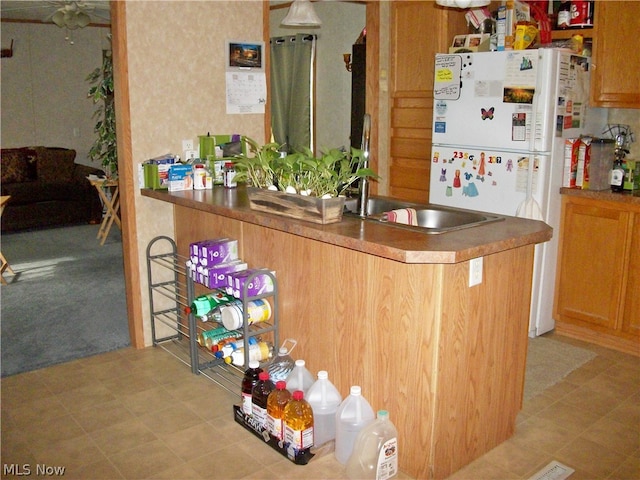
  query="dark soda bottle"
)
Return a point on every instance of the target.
[
  {"x": 259, "y": 397},
  {"x": 248, "y": 382}
]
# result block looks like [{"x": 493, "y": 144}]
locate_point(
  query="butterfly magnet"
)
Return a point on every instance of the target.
[{"x": 487, "y": 114}]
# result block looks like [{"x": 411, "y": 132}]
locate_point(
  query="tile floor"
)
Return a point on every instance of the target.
[{"x": 134, "y": 414}]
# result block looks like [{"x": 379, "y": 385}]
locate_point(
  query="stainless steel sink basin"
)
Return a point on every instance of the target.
[{"x": 430, "y": 218}]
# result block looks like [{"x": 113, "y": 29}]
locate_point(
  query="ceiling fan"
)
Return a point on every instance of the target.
[{"x": 63, "y": 13}]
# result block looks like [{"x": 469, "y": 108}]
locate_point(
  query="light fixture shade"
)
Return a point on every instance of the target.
[
  {"x": 301, "y": 14},
  {"x": 463, "y": 3}
]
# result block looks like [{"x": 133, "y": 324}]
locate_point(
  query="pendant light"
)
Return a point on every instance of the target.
[
  {"x": 301, "y": 14},
  {"x": 463, "y": 3}
]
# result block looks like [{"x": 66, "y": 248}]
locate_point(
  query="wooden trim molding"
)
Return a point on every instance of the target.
[{"x": 126, "y": 174}]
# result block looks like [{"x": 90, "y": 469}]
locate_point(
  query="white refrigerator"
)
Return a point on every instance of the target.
[{"x": 499, "y": 124}]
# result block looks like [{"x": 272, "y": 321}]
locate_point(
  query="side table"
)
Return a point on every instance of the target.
[
  {"x": 4, "y": 265},
  {"x": 112, "y": 205}
]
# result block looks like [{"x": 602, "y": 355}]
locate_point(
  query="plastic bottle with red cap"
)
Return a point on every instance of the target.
[
  {"x": 259, "y": 397},
  {"x": 276, "y": 403},
  {"x": 298, "y": 422}
]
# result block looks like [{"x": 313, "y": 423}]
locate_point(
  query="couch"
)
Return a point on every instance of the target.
[{"x": 47, "y": 189}]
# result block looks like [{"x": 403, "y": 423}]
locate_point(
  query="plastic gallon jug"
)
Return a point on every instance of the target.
[
  {"x": 300, "y": 378},
  {"x": 282, "y": 364},
  {"x": 324, "y": 399},
  {"x": 375, "y": 453},
  {"x": 354, "y": 413}
]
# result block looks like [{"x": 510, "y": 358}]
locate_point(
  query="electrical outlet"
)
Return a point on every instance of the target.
[
  {"x": 475, "y": 271},
  {"x": 187, "y": 145}
]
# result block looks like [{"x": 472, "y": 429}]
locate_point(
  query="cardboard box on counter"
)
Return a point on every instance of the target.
[{"x": 470, "y": 43}]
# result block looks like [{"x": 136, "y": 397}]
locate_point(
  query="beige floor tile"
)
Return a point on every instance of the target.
[
  {"x": 228, "y": 462},
  {"x": 130, "y": 383},
  {"x": 145, "y": 461},
  {"x": 546, "y": 435},
  {"x": 102, "y": 415},
  {"x": 70, "y": 453},
  {"x": 172, "y": 419},
  {"x": 147, "y": 401},
  {"x": 99, "y": 470},
  {"x": 619, "y": 437},
  {"x": 85, "y": 396},
  {"x": 513, "y": 457},
  {"x": 192, "y": 442},
  {"x": 52, "y": 430},
  {"x": 590, "y": 457},
  {"x": 628, "y": 412},
  {"x": 122, "y": 437},
  {"x": 569, "y": 415},
  {"x": 630, "y": 469},
  {"x": 482, "y": 469}
]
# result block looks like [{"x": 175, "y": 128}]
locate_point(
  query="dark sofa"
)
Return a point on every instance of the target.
[{"x": 47, "y": 189}]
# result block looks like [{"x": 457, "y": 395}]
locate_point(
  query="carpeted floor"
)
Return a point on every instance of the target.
[
  {"x": 549, "y": 361},
  {"x": 67, "y": 300}
]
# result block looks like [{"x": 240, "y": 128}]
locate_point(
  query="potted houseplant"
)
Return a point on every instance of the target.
[
  {"x": 300, "y": 185},
  {"x": 104, "y": 147}
]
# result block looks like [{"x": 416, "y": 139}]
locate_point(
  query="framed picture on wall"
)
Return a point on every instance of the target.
[{"x": 243, "y": 55}]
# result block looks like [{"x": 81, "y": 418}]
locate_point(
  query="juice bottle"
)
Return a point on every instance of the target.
[
  {"x": 375, "y": 453},
  {"x": 259, "y": 396},
  {"x": 248, "y": 382},
  {"x": 298, "y": 422},
  {"x": 276, "y": 402}
]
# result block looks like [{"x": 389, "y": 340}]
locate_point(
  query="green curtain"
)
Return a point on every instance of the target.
[{"x": 292, "y": 80}]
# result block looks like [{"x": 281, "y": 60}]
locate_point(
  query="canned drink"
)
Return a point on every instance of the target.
[{"x": 581, "y": 14}]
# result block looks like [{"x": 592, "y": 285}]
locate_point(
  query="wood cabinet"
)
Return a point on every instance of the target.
[
  {"x": 616, "y": 60},
  {"x": 598, "y": 279},
  {"x": 615, "y": 78},
  {"x": 418, "y": 31}
]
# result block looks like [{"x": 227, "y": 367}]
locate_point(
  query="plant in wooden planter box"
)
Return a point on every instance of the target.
[
  {"x": 299, "y": 185},
  {"x": 327, "y": 176}
]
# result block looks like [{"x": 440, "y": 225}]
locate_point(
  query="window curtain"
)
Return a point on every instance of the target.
[{"x": 292, "y": 96}]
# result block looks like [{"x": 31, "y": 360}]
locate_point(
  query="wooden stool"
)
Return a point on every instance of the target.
[{"x": 4, "y": 265}]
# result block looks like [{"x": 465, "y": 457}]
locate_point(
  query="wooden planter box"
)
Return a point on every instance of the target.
[{"x": 310, "y": 209}]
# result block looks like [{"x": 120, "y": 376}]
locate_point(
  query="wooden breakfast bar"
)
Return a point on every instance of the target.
[{"x": 391, "y": 310}]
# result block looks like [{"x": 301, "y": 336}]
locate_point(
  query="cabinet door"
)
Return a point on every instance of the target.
[
  {"x": 418, "y": 31},
  {"x": 631, "y": 318},
  {"x": 592, "y": 265},
  {"x": 615, "y": 77}
]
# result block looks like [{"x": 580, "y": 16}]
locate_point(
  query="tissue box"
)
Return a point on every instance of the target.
[
  {"x": 218, "y": 251},
  {"x": 216, "y": 276},
  {"x": 260, "y": 284}
]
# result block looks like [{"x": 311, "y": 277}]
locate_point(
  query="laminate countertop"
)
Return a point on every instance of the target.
[
  {"x": 604, "y": 195},
  {"x": 371, "y": 237}
]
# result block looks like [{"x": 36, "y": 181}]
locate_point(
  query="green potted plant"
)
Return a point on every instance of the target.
[
  {"x": 300, "y": 185},
  {"x": 104, "y": 147}
]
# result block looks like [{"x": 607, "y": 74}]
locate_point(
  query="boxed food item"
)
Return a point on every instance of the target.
[
  {"x": 569, "y": 176},
  {"x": 216, "y": 275},
  {"x": 180, "y": 177},
  {"x": 214, "y": 252}
]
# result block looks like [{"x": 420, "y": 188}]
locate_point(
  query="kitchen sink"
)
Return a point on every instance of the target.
[{"x": 430, "y": 218}]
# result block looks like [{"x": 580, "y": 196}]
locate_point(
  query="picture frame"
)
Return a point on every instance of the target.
[{"x": 244, "y": 55}]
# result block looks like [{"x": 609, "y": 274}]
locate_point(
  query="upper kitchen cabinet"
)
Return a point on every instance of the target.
[
  {"x": 616, "y": 73},
  {"x": 418, "y": 31}
]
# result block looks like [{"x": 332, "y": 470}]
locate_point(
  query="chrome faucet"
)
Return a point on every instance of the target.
[{"x": 363, "y": 191}]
